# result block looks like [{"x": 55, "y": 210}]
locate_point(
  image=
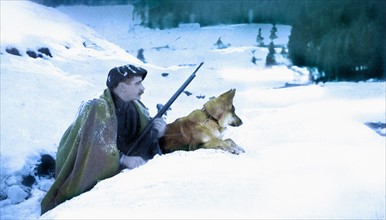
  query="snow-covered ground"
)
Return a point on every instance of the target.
[{"x": 308, "y": 153}]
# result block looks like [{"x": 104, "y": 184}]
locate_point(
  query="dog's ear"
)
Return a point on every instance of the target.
[
  {"x": 228, "y": 96},
  {"x": 216, "y": 107}
]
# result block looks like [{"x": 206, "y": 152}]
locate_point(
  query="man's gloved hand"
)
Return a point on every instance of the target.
[
  {"x": 160, "y": 125},
  {"x": 131, "y": 162}
]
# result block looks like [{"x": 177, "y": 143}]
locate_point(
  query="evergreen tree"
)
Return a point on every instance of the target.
[
  {"x": 260, "y": 39},
  {"x": 273, "y": 35},
  {"x": 270, "y": 59}
]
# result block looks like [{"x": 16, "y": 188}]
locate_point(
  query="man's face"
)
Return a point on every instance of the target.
[{"x": 131, "y": 89}]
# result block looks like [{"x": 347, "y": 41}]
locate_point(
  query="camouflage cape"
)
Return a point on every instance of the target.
[{"x": 87, "y": 152}]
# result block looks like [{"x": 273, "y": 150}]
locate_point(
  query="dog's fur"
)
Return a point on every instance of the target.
[{"x": 204, "y": 128}]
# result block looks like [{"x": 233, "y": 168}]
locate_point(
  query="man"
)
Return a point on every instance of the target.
[{"x": 98, "y": 144}]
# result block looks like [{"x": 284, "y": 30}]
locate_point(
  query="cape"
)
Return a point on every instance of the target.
[{"x": 88, "y": 152}]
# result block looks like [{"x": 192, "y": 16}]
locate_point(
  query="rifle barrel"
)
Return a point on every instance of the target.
[
  {"x": 177, "y": 93},
  {"x": 163, "y": 109}
]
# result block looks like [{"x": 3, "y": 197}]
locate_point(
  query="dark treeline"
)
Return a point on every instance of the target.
[
  {"x": 342, "y": 39},
  {"x": 55, "y": 3},
  {"x": 169, "y": 13}
]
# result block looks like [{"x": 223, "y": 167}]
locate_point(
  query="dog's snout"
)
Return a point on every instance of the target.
[{"x": 236, "y": 122}]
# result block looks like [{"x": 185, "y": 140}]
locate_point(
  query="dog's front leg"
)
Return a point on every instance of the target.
[
  {"x": 235, "y": 147},
  {"x": 227, "y": 145}
]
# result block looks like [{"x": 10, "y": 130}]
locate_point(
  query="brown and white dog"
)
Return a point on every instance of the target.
[{"x": 204, "y": 128}]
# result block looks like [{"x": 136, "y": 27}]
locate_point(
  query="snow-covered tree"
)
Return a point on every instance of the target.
[{"x": 260, "y": 39}]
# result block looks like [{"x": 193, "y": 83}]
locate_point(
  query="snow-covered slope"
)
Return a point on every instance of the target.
[{"x": 308, "y": 152}]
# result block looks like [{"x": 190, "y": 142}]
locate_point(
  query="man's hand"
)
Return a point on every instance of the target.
[
  {"x": 160, "y": 125},
  {"x": 131, "y": 162}
]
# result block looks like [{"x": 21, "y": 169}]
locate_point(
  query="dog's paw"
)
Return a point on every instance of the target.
[
  {"x": 233, "y": 147},
  {"x": 226, "y": 145},
  {"x": 236, "y": 150}
]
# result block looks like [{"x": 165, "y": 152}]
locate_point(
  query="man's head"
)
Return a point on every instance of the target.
[{"x": 126, "y": 82}]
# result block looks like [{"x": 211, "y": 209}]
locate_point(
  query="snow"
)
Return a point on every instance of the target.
[{"x": 308, "y": 153}]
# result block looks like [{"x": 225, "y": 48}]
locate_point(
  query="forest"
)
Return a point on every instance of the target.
[{"x": 338, "y": 40}]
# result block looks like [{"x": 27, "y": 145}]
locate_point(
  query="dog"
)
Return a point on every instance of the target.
[{"x": 204, "y": 128}]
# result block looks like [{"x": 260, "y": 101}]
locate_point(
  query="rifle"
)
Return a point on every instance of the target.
[{"x": 163, "y": 110}]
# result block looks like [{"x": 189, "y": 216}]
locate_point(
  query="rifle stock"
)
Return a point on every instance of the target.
[{"x": 163, "y": 110}]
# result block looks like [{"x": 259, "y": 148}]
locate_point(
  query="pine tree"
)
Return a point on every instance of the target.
[
  {"x": 273, "y": 35},
  {"x": 260, "y": 39},
  {"x": 270, "y": 59}
]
